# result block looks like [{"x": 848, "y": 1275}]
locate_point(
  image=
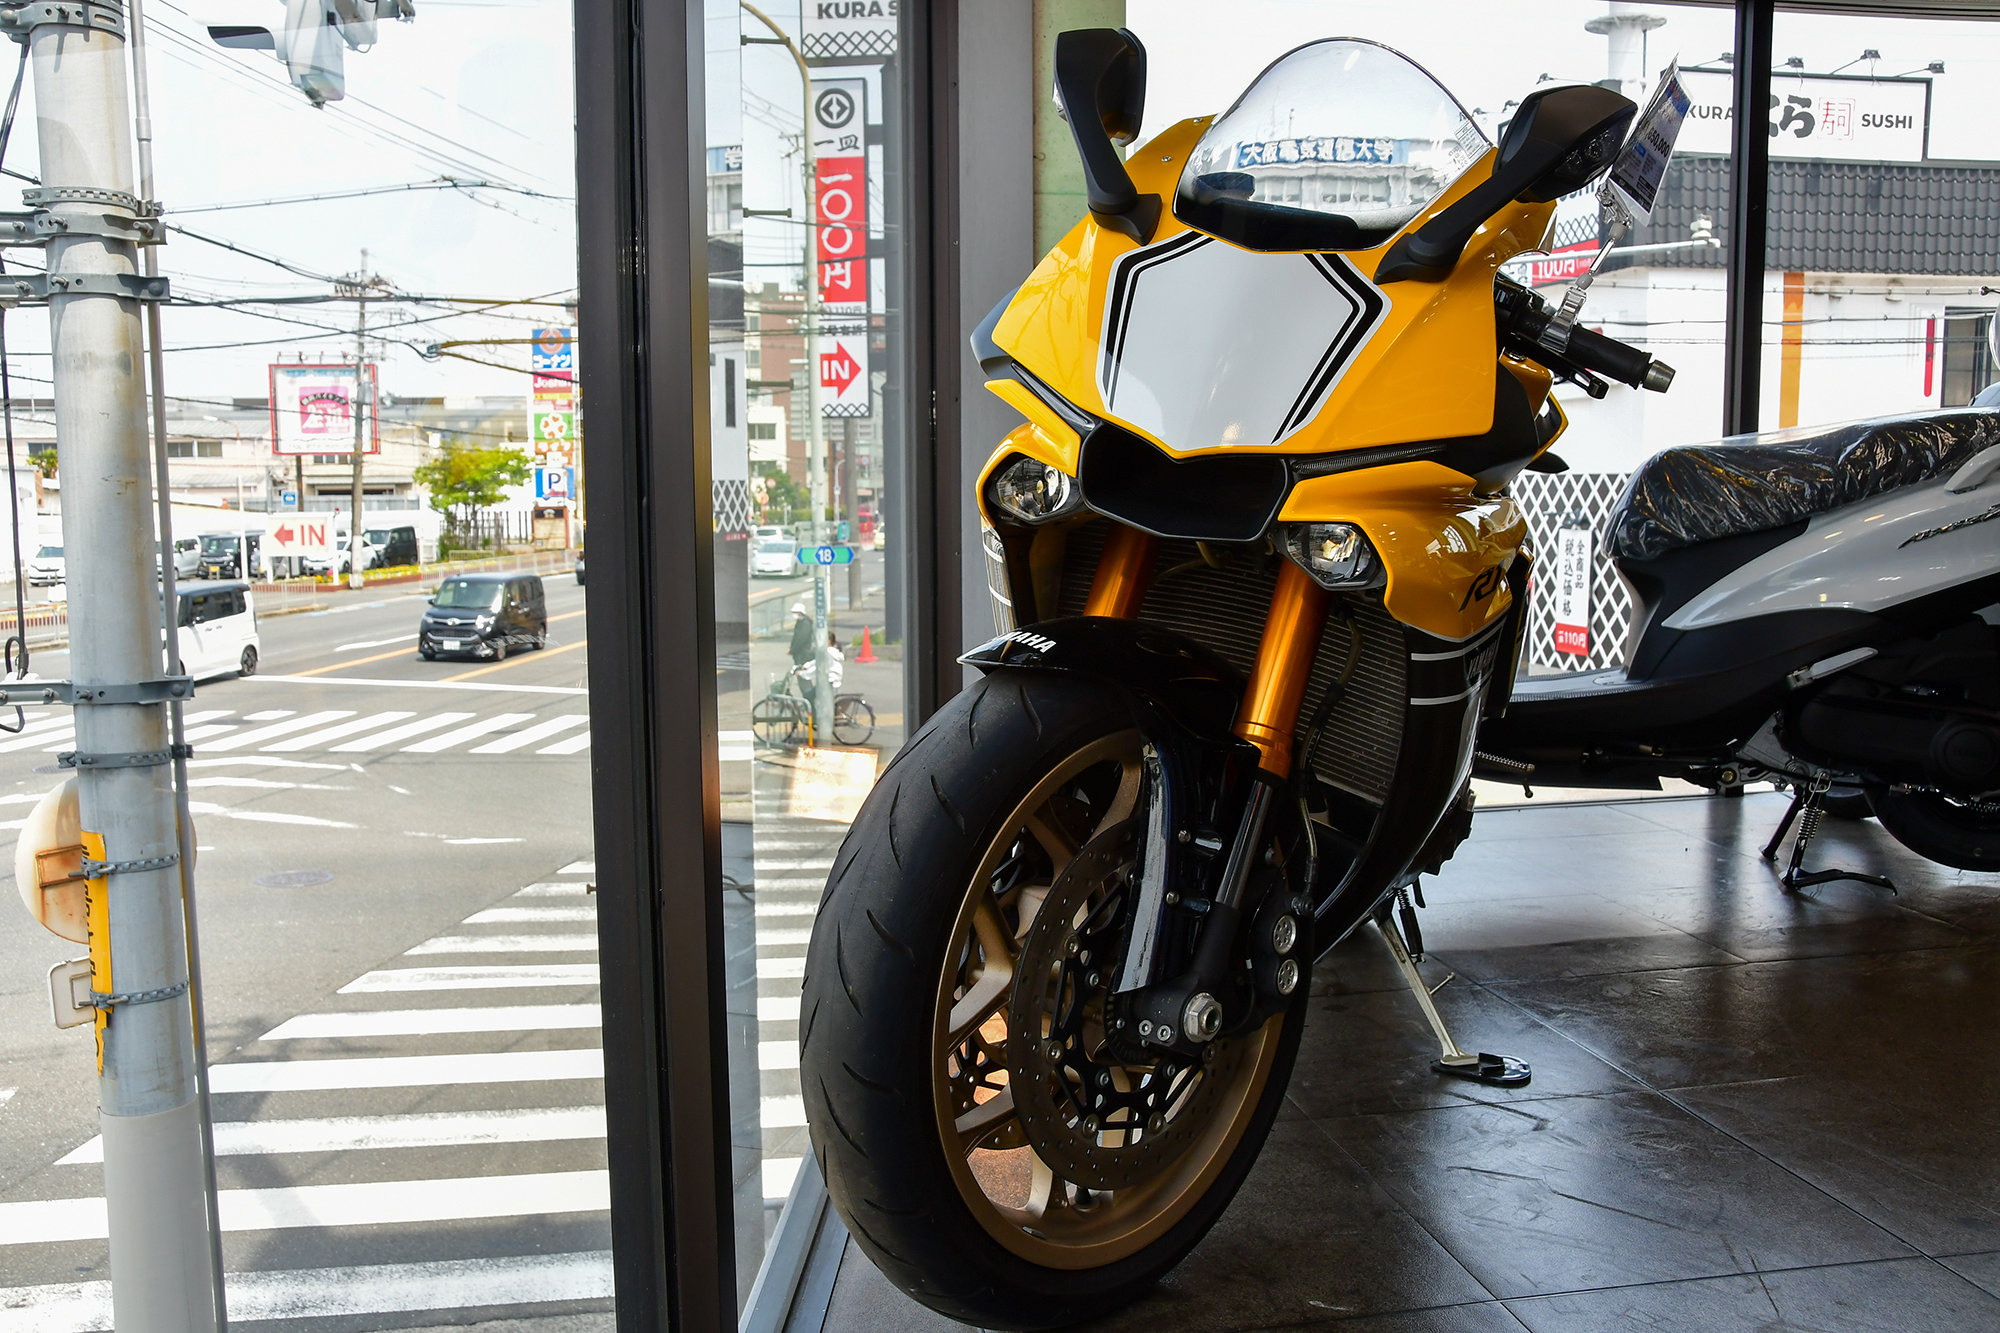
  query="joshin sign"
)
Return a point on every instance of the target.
[{"x": 312, "y": 410}]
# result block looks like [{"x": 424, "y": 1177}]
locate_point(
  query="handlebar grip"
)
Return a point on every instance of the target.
[{"x": 1608, "y": 356}]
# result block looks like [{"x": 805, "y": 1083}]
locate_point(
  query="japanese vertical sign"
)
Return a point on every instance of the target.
[
  {"x": 840, "y": 243},
  {"x": 552, "y": 398},
  {"x": 1573, "y": 591}
]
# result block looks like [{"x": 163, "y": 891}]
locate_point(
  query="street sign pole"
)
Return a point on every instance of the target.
[
  {"x": 357, "y": 405},
  {"x": 148, "y": 1107},
  {"x": 815, "y": 427}
]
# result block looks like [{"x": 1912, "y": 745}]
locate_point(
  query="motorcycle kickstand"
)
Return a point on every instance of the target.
[
  {"x": 1806, "y": 808},
  {"x": 1499, "y": 1071}
]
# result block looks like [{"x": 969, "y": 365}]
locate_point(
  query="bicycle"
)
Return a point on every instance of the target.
[{"x": 783, "y": 718}]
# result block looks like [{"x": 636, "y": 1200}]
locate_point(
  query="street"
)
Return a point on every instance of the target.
[{"x": 399, "y": 944}]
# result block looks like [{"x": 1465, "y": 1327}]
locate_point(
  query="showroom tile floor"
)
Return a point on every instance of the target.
[{"x": 1749, "y": 1111}]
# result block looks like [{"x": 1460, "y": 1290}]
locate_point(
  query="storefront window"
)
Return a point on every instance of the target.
[
  {"x": 1883, "y": 245},
  {"x": 391, "y": 801},
  {"x": 807, "y": 522}
]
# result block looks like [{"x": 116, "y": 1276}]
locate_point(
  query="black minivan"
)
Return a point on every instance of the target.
[
  {"x": 394, "y": 547},
  {"x": 484, "y": 615}
]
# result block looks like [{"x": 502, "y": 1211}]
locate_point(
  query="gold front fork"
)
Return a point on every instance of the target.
[
  {"x": 1124, "y": 572},
  {"x": 1270, "y": 711}
]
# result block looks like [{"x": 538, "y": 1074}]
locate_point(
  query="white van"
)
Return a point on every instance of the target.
[{"x": 218, "y": 629}]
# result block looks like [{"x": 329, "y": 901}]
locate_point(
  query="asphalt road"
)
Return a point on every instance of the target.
[{"x": 353, "y": 803}]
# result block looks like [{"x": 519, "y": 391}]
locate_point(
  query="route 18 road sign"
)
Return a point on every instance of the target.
[{"x": 826, "y": 555}]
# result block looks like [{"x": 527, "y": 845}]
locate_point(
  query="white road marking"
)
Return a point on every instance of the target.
[
  {"x": 509, "y": 744},
  {"x": 31, "y": 797},
  {"x": 514, "y": 916},
  {"x": 778, "y": 969},
  {"x": 777, "y": 1009},
  {"x": 265, "y": 762},
  {"x": 6, "y": 1095},
  {"x": 374, "y": 1203},
  {"x": 507, "y": 944},
  {"x": 263, "y": 816},
  {"x": 778, "y": 1054},
  {"x": 366, "y": 1133},
  {"x": 391, "y": 979},
  {"x": 402, "y": 733},
  {"x": 779, "y": 935},
  {"x": 307, "y": 1293},
  {"x": 41, "y": 736},
  {"x": 437, "y": 1022},
  {"x": 258, "y": 735},
  {"x": 765, "y": 909},
  {"x": 779, "y": 1173},
  {"x": 569, "y": 745},
  {"x": 405, "y": 1071},
  {"x": 202, "y": 733},
  {"x": 478, "y": 842},
  {"x": 572, "y": 890},
  {"x": 380, "y": 683},
  {"x": 373, "y": 643},
  {"x": 314, "y": 739},
  {"x": 262, "y": 784},
  {"x": 270, "y": 715},
  {"x": 782, "y": 1113},
  {"x": 498, "y": 722},
  {"x": 579, "y": 868}
]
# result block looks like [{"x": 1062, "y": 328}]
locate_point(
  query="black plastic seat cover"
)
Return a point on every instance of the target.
[{"x": 1752, "y": 483}]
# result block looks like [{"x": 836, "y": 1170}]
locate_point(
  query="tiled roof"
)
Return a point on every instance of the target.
[{"x": 1927, "y": 218}]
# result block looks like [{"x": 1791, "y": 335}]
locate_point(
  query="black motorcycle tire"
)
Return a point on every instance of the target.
[
  {"x": 1953, "y": 833},
  {"x": 873, "y": 973},
  {"x": 1846, "y": 803}
]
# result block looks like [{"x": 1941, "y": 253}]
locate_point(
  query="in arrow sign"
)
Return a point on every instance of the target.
[
  {"x": 837, "y": 369},
  {"x": 284, "y": 536}
]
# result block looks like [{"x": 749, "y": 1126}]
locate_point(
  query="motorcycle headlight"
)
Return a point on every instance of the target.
[
  {"x": 1033, "y": 492},
  {"x": 1335, "y": 555}
]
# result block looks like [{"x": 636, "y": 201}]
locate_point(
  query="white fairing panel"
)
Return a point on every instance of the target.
[
  {"x": 1206, "y": 344},
  {"x": 1870, "y": 556}
]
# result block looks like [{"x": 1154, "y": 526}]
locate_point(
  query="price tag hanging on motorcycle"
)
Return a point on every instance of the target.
[
  {"x": 840, "y": 243},
  {"x": 1634, "y": 184}
]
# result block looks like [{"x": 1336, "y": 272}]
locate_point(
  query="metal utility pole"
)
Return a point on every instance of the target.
[
  {"x": 147, "y": 1087},
  {"x": 362, "y": 403},
  {"x": 815, "y": 428}
]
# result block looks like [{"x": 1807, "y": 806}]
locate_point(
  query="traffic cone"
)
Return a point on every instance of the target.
[{"x": 867, "y": 653}]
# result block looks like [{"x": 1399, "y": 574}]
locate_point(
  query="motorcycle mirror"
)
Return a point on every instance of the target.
[
  {"x": 1100, "y": 89},
  {"x": 1558, "y": 142}
]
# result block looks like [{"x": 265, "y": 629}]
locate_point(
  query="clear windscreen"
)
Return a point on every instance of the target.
[{"x": 1336, "y": 146}]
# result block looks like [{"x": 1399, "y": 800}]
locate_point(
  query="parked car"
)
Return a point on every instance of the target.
[
  {"x": 763, "y": 530},
  {"x": 394, "y": 547},
  {"x": 224, "y": 555},
  {"x": 341, "y": 561},
  {"x": 484, "y": 615},
  {"x": 46, "y": 567},
  {"x": 187, "y": 557},
  {"x": 217, "y": 628},
  {"x": 774, "y": 557}
]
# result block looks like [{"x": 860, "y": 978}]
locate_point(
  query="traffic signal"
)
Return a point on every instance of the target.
[{"x": 311, "y": 39}]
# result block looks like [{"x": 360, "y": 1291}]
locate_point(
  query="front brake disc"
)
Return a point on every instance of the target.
[{"x": 1094, "y": 1120}]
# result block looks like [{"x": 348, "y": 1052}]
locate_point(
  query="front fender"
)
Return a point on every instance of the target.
[{"x": 1193, "y": 687}]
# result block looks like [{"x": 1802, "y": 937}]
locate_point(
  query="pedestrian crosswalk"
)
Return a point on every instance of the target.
[
  {"x": 444, "y": 1109},
  {"x": 349, "y": 731}
]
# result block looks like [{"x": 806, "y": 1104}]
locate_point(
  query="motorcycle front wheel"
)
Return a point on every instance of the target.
[{"x": 985, "y": 1143}]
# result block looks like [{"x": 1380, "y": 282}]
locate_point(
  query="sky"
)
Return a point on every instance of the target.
[{"x": 478, "y": 90}]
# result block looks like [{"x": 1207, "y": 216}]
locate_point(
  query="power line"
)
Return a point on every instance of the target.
[{"x": 362, "y": 192}]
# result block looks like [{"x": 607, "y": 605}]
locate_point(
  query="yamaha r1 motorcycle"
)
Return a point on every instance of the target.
[{"x": 1262, "y": 588}]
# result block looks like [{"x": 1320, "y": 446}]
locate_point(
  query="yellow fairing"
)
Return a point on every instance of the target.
[
  {"x": 1445, "y": 550},
  {"x": 1434, "y": 333}
]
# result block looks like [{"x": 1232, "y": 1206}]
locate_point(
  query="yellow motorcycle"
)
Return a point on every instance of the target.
[{"x": 1260, "y": 583}]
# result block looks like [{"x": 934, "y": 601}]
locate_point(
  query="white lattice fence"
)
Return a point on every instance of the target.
[
  {"x": 732, "y": 505},
  {"x": 1549, "y": 502}
]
